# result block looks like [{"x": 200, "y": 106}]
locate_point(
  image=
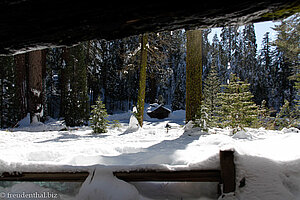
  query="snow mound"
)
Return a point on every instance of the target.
[
  {"x": 190, "y": 130},
  {"x": 290, "y": 130},
  {"x": 25, "y": 121},
  {"x": 35, "y": 126},
  {"x": 133, "y": 125},
  {"x": 120, "y": 116},
  {"x": 177, "y": 115},
  {"x": 229, "y": 196},
  {"x": 242, "y": 135},
  {"x": 103, "y": 185}
]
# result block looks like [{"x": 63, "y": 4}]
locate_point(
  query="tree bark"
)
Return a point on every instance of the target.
[
  {"x": 142, "y": 81},
  {"x": 193, "y": 73},
  {"x": 36, "y": 60}
]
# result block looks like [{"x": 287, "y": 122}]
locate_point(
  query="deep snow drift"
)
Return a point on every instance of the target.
[{"x": 268, "y": 161}]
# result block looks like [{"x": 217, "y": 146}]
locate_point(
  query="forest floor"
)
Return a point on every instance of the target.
[{"x": 268, "y": 160}]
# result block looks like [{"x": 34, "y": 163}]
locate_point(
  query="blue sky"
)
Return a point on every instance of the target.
[
  {"x": 263, "y": 27},
  {"x": 260, "y": 29}
]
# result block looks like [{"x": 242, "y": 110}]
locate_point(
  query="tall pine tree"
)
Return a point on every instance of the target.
[
  {"x": 264, "y": 76},
  {"x": 237, "y": 109},
  {"x": 9, "y": 104},
  {"x": 74, "y": 87},
  {"x": 211, "y": 89},
  {"x": 287, "y": 58}
]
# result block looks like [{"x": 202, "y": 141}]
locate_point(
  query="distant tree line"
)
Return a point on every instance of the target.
[{"x": 70, "y": 80}]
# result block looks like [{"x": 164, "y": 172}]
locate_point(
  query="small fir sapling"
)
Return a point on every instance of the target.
[
  {"x": 98, "y": 117},
  {"x": 264, "y": 119},
  {"x": 202, "y": 119},
  {"x": 288, "y": 116}
]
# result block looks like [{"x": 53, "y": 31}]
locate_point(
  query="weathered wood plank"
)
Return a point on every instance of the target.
[
  {"x": 45, "y": 176},
  {"x": 131, "y": 176},
  {"x": 227, "y": 171},
  {"x": 171, "y": 176}
]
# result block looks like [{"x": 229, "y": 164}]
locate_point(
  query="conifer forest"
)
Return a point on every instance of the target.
[{"x": 238, "y": 82}]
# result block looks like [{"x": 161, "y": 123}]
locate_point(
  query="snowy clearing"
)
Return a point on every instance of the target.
[{"x": 268, "y": 161}]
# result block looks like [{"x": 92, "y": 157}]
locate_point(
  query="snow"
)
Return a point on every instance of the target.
[
  {"x": 133, "y": 125},
  {"x": 102, "y": 184},
  {"x": 25, "y": 121},
  {"x": 33, "y": 191},
  {"x": 190, "y": 130},
  {"x": 36, "y": 126},
  {"x": 268, "y": 161}
]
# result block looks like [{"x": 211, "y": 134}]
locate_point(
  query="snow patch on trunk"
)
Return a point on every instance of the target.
[{"x": 133, "y": 125}]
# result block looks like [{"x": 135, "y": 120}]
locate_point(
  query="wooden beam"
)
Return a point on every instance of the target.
[
  {"x": 227, "y": 171},
  {"x": 171, "y": 176},
  {"x": 130, "y": 176},
  {"x": 45, "y": 176}
]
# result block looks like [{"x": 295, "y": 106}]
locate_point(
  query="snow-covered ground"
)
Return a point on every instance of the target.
[{"x": 268, "y": 160}]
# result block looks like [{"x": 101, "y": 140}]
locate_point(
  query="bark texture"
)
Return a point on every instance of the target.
[
  {"x": 142, "y": 80},
  {"x": 36, "y": 61},
  {"x": 193, "y": 73}
]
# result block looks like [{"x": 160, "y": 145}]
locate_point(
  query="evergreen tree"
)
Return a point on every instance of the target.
[
  {"x": 248, "y": 60},
  {"x": 94, "y": 62},
  {"x": 177, "y": 62},
  {"x": 211, "y": 89},
  {"x": 54, "y": 65},
  {"x": 229, "y": 52},
  {"x": 263, "y": 110},
  {"x": 264, "y": 77},
  {"x": 215, "y": 52},
  {"x": 206, "y": 53},
  {"x": 74, "y": 86},
  {"x": 202, "y": 119},
  {"x": 9, "y": 105},
  {"x": 237, "y": 109},
  {"x": 98, "y": 119},
  {"x": 158, "y": 71},
  {"x": 178, "y": 97},
  {"x": 288, "y": 116},
  {"x": 264, "y": 119},
  {"x": 287, "y": 48},
  {"x": 21, "y": 84}
]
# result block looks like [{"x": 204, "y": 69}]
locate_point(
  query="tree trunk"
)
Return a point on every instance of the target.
[
  {"x": 36, "y": 60},
  {"x": 193, "y": 73},
  {"x": 142, "y": 81}
]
